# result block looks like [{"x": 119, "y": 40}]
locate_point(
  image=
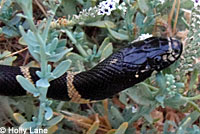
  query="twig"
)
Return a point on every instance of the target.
[
  {"x": 12, "y": 54},
  {"x": 26, "y": 58},
  {"x": 41, "y": 8},
  {"x": 105, "y": 104},
  {"x": 176, "y": 17},
  {"x": 82, "y": 124},
  {"x": 170, "y": 18},
  {"x": 90, "y": 107}
]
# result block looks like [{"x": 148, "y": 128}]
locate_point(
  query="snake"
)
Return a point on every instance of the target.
[{"x": 123, "y": 69}]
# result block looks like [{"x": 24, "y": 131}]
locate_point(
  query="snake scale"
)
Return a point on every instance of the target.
[{"x": 121, "y": 70}]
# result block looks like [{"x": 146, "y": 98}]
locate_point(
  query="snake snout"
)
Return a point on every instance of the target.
[{"x": 176, "y": 48}]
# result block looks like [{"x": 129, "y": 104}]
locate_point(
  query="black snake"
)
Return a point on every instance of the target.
[{"x": 121, "y": 70}]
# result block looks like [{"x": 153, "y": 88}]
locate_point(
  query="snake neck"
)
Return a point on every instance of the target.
[{"x": 108, "y": 78}]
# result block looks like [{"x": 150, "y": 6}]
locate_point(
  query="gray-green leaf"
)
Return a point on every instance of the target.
[
  {"x": 102, "y": 24},
  {"x": 26, "y": 84},
  {"x": 118, "y": 36},
  {"x": 28, "y": 125},
  {"x": 55, "y": 120},
  {"x": 48, "y": 113},
  {"x": 61, "y": 68},
  {"x": 107, "y": 51},
  {"x": 143, "y": 6}
]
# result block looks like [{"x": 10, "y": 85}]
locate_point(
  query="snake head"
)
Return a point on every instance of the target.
[
  {"x": 169, "y": 51},
  {"x": 155, "y": 53}
]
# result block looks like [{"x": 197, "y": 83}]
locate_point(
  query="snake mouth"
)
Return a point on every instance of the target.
[{"x": 177, "y": 47}]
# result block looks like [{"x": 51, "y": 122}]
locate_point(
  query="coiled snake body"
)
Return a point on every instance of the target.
[{"x": 121, "y": 70}]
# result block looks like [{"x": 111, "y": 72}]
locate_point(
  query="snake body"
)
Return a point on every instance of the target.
[{"x": 121, "y": 70}]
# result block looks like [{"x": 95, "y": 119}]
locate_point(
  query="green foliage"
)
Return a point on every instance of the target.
[
  {"x": 44, "y": 51},
  {"x": 185, "y": 125},
  {"x": 94, "y": 36},
  {"x": 192, "y": 50},
  {"x": 10, "y": 20},
  {"x": 5, "y": 59}
]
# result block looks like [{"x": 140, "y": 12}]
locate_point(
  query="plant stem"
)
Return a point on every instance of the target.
[
  {"x": 43, "y": 63},
  {"x": 39, "y": 39},
  {"x": 194, "y": 105},
  {"x": 81, "y": 50},
  {"x": 41, "y": 110},
  {"x": 46, "y": 30},
  {"x": 197, "y": 97},
  {"x": 189, "y": 100},
  {"x": 78, "y": 46},
  {"x": 151, "y": 87},
  {"x": 42, "y": 49}
]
